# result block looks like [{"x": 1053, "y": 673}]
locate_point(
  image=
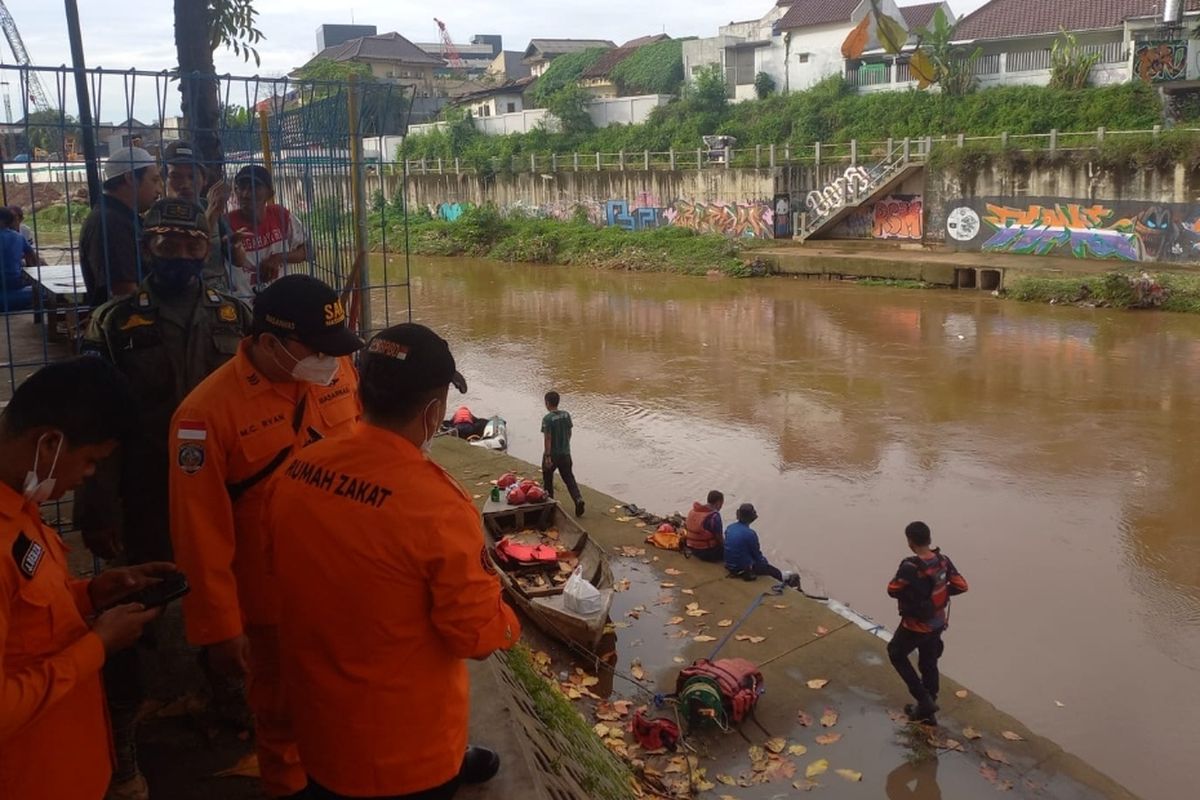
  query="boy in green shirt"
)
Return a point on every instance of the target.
[{"x": 556, "y": 426}]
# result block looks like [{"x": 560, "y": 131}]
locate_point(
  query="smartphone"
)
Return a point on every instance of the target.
[{"x": 172, "y": 586}]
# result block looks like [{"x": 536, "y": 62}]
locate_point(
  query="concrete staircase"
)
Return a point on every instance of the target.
[{"x": 857, "y": 187}]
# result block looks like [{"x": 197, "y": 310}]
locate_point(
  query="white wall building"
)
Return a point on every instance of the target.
[{"x": 604, "y": 112}]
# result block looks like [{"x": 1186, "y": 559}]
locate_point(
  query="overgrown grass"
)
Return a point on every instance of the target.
[
  {"x": 484, "y": 232},
  {"x": 51, "y": 222},
  {"x": 1181, "y": 292},
  {"x": 831, "y": 111},
  {"x": 606, "y": 777}
]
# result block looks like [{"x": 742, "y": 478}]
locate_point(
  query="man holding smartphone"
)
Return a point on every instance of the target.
[
  {"x": 385, "y": 589},
  {"x": 54, "y": 736}
]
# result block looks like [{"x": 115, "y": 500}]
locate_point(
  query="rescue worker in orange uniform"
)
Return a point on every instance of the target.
[
  {"x": 54, "y": 735},
  {"x": 385, "y": 589},
  {"x": 290, "y": 384}
]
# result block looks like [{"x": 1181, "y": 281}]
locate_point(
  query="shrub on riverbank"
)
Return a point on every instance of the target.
[
  {"x": 485, "y": 233},
  {"x": 1170, "y": 291}
]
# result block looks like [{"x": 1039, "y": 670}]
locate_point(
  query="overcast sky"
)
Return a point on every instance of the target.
[{"x": 120, "y": 35}]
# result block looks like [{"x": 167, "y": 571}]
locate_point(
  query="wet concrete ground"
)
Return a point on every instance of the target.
[{"x": 862, "y": 687}]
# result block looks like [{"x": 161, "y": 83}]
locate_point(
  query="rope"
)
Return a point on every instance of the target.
[{"x": 803, "y": 645}]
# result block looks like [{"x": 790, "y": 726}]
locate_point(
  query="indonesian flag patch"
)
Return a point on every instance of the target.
[{"x": 193, "y": 430}]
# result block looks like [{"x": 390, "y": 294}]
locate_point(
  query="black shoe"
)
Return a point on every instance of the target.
[
  {"x": 579, "y": 507},
  {"x": 922, "y": 713},
  {"x": 479, "y": 765}
]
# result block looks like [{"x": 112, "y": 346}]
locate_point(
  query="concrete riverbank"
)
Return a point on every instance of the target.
[{"x": 978, "y": 747}]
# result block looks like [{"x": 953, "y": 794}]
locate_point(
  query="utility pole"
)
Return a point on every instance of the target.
[{"x": 85, "y": 105}]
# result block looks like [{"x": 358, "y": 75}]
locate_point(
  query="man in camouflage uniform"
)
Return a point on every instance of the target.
[{"x": 166, "y": 338}]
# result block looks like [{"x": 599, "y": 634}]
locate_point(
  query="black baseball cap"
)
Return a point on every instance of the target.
[
  {"x": 413, "y": 357},
  {"x": 175, "y": 215},
  {"x": 255, "y": 173},
  {"x": 181, "y": 152},
  {"x": 303, "y": 308}
]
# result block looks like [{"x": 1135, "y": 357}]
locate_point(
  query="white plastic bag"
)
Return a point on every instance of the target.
[{"x": 579, "y": 596}]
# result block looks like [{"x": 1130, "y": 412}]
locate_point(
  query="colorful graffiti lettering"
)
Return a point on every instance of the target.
[
  {"x": 617, "y": 213},
  {"x": 898, "y": 217},
  {"x": 744, "y": 220},
  {"x": 1043, "y": 230},
  {"x": 1122, "y": 230},
  {"x": 1161, "y": 60}
]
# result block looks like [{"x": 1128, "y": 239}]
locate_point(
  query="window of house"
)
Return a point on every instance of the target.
[
  {"x": 512, "y": 108},
  {"x": 744, "y": 67},
  {"x": 803, "y": 57}
]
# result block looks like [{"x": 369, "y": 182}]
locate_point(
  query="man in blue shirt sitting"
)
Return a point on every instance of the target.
[
  {"x": 15, "y": 293},
  {"x": 743, "y": 555}
]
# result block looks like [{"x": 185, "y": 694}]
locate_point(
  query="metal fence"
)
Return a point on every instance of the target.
[{"x": 310, "y": 135}]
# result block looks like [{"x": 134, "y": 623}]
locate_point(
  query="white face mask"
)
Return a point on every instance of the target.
[
  {"x": 427, "y": 445},
  {"x": 38, "y": 491},
  {"x": 318, "y": 368}
]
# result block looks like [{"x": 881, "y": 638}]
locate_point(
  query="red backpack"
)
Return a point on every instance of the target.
[{"x": 738, "y": 681}]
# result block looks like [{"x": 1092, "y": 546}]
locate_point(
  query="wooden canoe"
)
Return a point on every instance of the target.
[{"x": 537, "y": 589}]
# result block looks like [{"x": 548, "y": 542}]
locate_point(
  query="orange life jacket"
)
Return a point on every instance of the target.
[{"x": 699, "y": 537}]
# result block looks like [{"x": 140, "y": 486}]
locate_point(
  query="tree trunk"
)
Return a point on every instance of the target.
[{"x": 197, "y": 82}]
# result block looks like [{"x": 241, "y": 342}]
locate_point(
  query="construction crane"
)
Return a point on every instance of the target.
[
  {"x": 34, "y": 89},
  {"x": 449, "y": 52}
]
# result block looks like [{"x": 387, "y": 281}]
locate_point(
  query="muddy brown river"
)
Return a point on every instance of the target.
[{"x": 1055, "y": 452}]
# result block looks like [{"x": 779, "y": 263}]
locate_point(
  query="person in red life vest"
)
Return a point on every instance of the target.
[
  {"x": 270, "y": 235},
  {"x": 54, "y": 736},
  {"x": 704, "y": 529},
  {"x": 923, "y": 585},
  {"x": 463, "y": 422}
]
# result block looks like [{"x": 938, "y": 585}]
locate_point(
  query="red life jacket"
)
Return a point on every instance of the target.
[
  {"x": 926, "y": 600},
  {"x": 739, "y": 680},
  {"x": 462, "y": 414},
  {"x": 698, "y": 537}
]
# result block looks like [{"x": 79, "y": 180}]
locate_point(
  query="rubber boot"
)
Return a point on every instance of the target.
[{"x": 479, "y": 765}]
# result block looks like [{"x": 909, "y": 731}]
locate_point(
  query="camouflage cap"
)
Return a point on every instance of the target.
[{"x": 175, "y": 215}]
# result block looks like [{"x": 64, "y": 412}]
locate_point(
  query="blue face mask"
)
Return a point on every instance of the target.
[{"x": 174, "y": 275}]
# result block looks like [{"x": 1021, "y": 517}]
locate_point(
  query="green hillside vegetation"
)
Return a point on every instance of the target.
[
  {"x": 653, "y": 69},
  {"x": 562, "y": 71},
  {"x": 831, "y": 111}
]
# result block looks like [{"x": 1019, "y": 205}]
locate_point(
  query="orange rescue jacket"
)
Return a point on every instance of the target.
[
  {"x": 224, "y": 435},
  {"x": 699, "y": 537},
  {"x": 55, "y": 742},
  {"x": 385, "y": 589}
]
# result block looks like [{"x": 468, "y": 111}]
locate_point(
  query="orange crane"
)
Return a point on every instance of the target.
[{"x": 449, "y": 52}]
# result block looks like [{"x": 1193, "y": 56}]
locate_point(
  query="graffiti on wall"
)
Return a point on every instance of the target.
[
  {"x": 1119, "y": 230},
  {"x": 753, "y": 219},
  {"x": 1159, "y": 60},
  {"x": 898, "y": 216},
  {"x": 847, "y": 187}
]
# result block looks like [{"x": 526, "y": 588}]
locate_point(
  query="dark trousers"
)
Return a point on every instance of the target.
[
  {"x": 759, "y": 568},
  {"x": 929, "y": 647},
  {"x": 563, "y": 465},
  {"x": 444, "y": 792},
  {"x": 713, "y": 555}
]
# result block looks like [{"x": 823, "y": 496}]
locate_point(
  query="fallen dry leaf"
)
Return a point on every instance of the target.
[
  {"x": 805, "y": 719},
  {"x": 725, "y": 623},
  {"x": 696, "y": 612},
  {"x": 757, "y": 754},
  {"x": 822, "y": 630},
  {"x": 637, "y": 670},
  {"x": 989, "y": 772},
  {"x": 757, "y": 639},
  {"x": 816, "y": 768},
  {"x": 590, "y": 680},
  {"x": 1013, "y": 737},
  {"x": 962, "y": 694},
  {"x": 996, "y": 755},
  {"x": 849, "y": 774},
  {"x": 667, "y": 585},
  {"x": 639, "y": 524},
  {"x": 541, "y": 658},
  {"x": 780, "y": 605},
  {"x": 775, "y": 745},
  {"x": 1060, "y": 704},
  {"x": 601, "y": 729},
  {"x": 797, "y": 750},
  {"x": 704, "y": 638},
  {"x": 727, "y": 780},
  {"x": 673, "y": 571},
  {"x": 897, "y": 716},
  {"x": 829, "y": 718},
  {"x": 805, "y": 786},
  {"x": 688, "y": 591},
  {"x": 692, "y": 606},
  {"x": 621, "y": 585},
  {"x": 817, "y": 683},
  {"x": 828, "y": 738},
  {"x": 674, "y": 620},
  {"x": 679, "y": 660},
  {"x": 972, "y": 734},
  {"x": 246, "y": 767},
  {"x": 624, "y": 519},
  {"x": 622, "y": 706}
]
